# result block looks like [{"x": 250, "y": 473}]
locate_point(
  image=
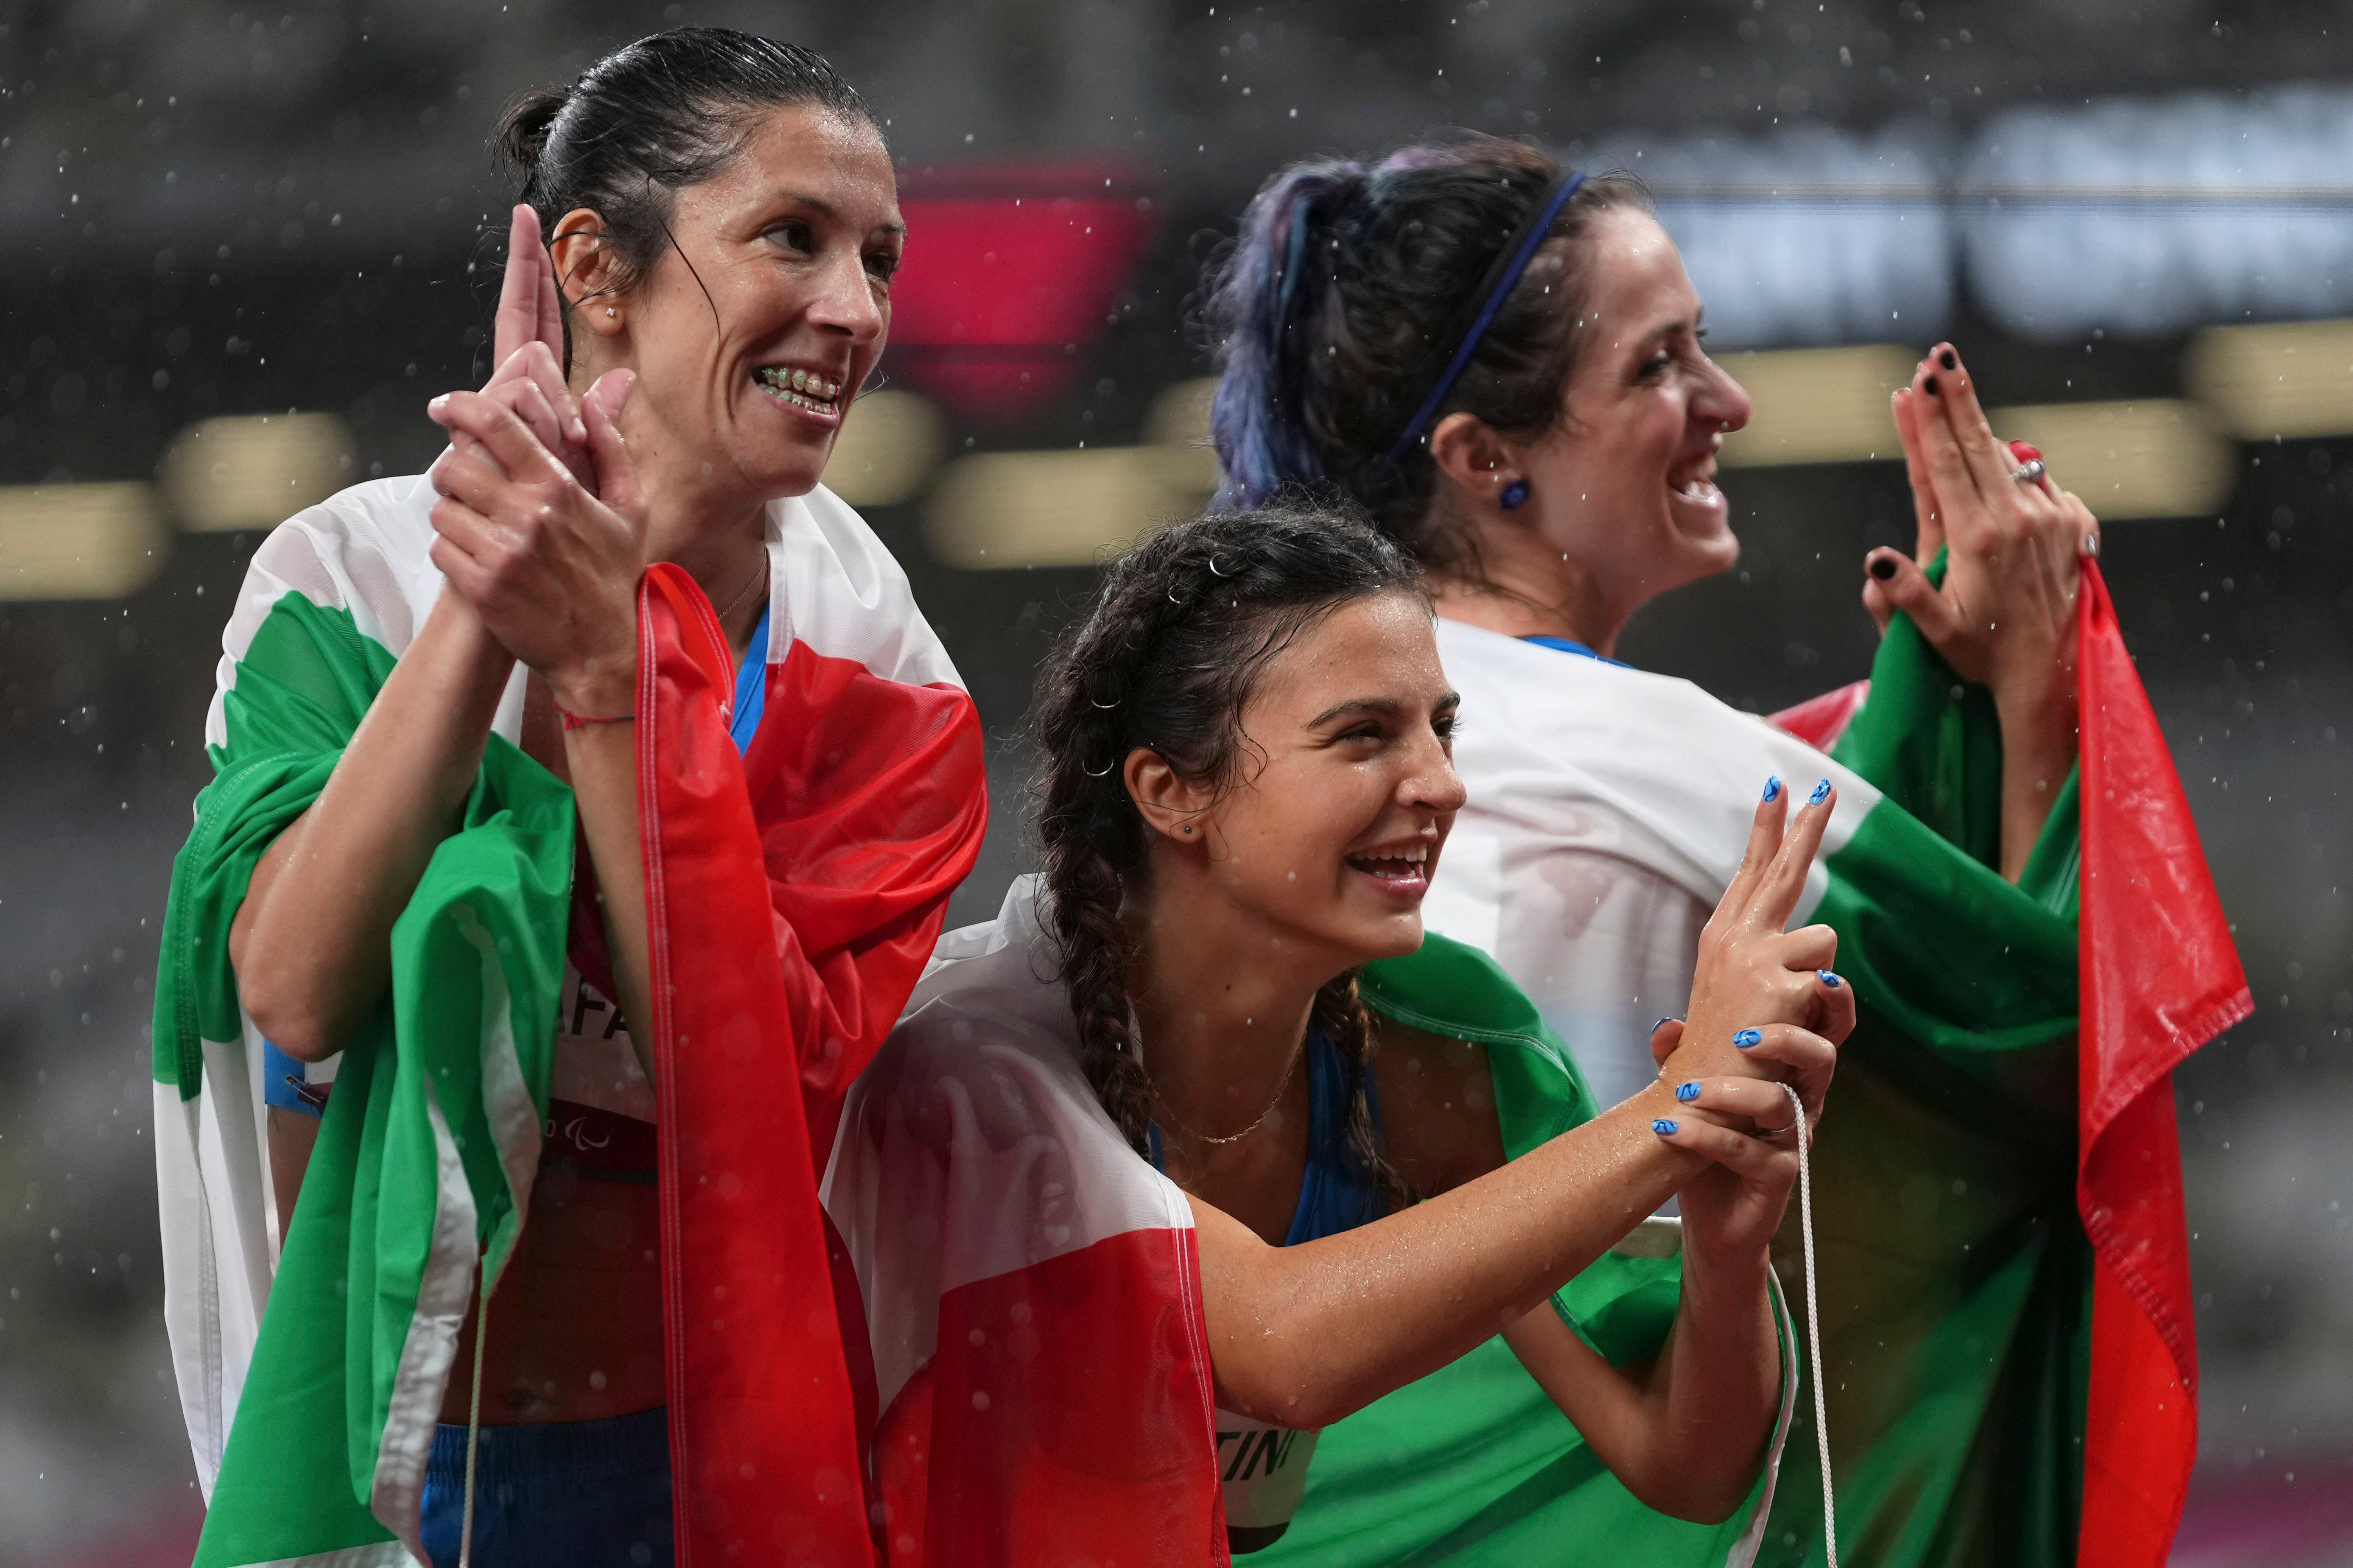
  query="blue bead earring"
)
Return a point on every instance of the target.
[{"x": 1515, "y": 496}]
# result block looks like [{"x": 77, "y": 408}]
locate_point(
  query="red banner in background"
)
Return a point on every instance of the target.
[{"x": 1011, "y": 270}]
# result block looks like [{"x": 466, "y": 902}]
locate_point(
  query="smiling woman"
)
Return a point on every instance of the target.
[
  {"x": 1205, "y": 1111},
  {"x": 1505, "y": 362},
  {"x": 571, "y": 1098}
]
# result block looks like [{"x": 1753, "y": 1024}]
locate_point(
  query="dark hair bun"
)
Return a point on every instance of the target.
[{"x": 521, "y": 133}]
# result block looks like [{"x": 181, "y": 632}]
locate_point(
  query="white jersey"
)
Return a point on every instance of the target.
[{"x": 1609, "y": 809}]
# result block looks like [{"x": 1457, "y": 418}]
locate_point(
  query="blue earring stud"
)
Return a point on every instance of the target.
[{"x": 1515, "y": 496}]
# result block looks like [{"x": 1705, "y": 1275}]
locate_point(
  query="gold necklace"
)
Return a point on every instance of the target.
[
  {"x": 738, "y": 602},
  {"x": 1200, "y": 1137}
]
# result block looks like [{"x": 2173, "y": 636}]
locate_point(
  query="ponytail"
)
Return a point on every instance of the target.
[{"x": 1255, "y": 414}]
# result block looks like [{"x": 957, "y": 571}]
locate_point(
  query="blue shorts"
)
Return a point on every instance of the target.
[{"x": 562, "y": 1494}]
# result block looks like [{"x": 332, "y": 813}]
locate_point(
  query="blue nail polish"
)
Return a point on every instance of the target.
[
  {"x": 1747, "y": 1037},
  {"x": 1829, "y": 979},
  {"x": 1772, "y": 789},
  {"x": 1669, "y": 1018},
  {"x": 1686, "y": 1091},
  {"x": 1821, "y": 792},
  {"x": 1663, "y": 1127}
]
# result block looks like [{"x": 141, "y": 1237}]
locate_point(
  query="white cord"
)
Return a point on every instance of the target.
[
  {"x": 1813, "y": 1320},
  {"x": 474, "y": 1417}
]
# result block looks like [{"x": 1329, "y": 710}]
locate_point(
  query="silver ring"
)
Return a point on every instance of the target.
[
  {"x": 2031, "y": 471},
  {"x": 1764, "y": 1133}
]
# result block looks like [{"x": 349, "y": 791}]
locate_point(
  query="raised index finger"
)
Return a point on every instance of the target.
[{"x": 522, "y": 308}]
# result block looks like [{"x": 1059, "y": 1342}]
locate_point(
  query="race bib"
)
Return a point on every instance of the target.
[{"x": 1264, "y": 1470}]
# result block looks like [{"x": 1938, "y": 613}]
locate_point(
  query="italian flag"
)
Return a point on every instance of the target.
[
  {"x": 2012, "y": 1362},
  {"x": 2009, "y": 1364},
  {"x": 794, "y": 892},
  {"x": 1033, "y": 1295}
]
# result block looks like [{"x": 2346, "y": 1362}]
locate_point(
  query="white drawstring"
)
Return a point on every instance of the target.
[
  {"x": 1813, "y": 1320},
  {"x": 474, "y": 1417}
]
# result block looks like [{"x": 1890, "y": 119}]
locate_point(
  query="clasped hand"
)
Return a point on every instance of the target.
[
  {"x": 1766, "y": 1010},
  {"x": 2004, "y": 615},
  {"x": 540, "y": 524}
]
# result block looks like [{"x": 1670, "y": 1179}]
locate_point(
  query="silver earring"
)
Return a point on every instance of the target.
[{"x": 608, "y": 309}]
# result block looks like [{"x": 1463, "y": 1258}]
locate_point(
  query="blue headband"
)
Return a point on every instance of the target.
[{"x": 1517, "y": 254}]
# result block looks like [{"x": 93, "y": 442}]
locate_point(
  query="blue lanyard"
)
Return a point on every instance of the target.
[
  {"x": 752, "y": 687},
  {"x": 1567, "y": 644}
]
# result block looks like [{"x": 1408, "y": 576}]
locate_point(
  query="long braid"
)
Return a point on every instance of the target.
[
  {"x": 1341, "y": 1014},
  {"x": 1097, "y": 954},
  {"x": 1165, "y": 662}
]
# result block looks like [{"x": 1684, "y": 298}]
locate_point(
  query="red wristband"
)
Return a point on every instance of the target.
[{"x": 575, "y": 721}]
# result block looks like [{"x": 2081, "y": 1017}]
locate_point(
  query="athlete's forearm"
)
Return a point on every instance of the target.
[
  {"x": 1303, "y": 1335},
  {"x": 2038, "y": 749},
  {"x": 604, "y": 759},
  {"x": 312, "y": 942},
  {"x": 1713, "y": 1393},
  {"x": 1682, "y": 1430}
]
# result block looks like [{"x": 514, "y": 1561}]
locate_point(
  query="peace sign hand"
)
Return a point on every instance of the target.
[
  {"x": 1764, "y": 1002},
  {"x": 1766, "y": 1011}
]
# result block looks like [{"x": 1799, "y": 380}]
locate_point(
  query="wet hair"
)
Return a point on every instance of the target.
[
  {"x": 1166, "y": 660},
  {"x": 650, "y": 119},
  {"x": 1335, "y": 309}
]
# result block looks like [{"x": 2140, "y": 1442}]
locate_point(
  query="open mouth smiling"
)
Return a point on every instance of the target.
[
  {"x": 1693, "y": 479},
  {"x": 803, "y": 389},
  {"x": 1398, "y": 867}
]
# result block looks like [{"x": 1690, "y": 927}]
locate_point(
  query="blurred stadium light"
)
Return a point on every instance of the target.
[
  {"x": 1818, "y": 406},
  {"x": 886, "y": 449},
  {"x": 1809, "y": 236},
  {"x": 2152, "y": 458},
  {"x": 2145, "y": 218},
  {"x": 256, "y": 471},
  {"x": 79, "y": 542},
  {"x": 2153, "y": 217},
  {"x": 1005, "y": 509},
  {"x": 2291, "y": 380}
]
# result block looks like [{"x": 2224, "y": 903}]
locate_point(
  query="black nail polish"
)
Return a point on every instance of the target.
[
  {"x": 1929, "y": 386},
  {"x": 1884, "y": 568},
  {"x": 1947, "y": 359}
]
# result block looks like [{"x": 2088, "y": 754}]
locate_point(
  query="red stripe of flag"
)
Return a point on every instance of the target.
[
  {"x": 784, "y": 941},
  {"x": 2160, "y": 977}
]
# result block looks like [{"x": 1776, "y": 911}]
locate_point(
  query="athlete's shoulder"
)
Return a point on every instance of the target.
[
  {"x": 845, "y": 595},
  {"x": 1555, "y": 689}
]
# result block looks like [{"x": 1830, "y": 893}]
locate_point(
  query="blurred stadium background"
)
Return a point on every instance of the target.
[{"x": 240, "y": 248}]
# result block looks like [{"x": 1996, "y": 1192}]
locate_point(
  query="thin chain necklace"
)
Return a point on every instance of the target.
[
  {"x": 757, "y": 578},
  {"x": 1200, "y": 1137}
]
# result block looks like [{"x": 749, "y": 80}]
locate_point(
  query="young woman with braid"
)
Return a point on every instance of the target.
[
  {"x": 1200, "y": 1146},
  {"x": 1503, "y": 363}
]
